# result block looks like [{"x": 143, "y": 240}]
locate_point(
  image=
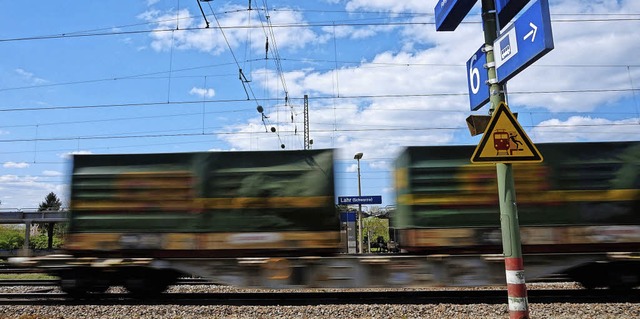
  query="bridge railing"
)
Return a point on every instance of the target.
[{"x": 24, "y": 217}]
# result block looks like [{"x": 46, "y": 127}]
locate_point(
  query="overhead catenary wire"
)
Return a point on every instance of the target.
[
  {"x": 281, "y": 59},
  {"x": 317, "y": 131},
  {"x": 345, "y": 97},
  {"x": 369, "y": 64},
  {"x": 99, "y": 33},
  {"x": 245, "y": 83}
]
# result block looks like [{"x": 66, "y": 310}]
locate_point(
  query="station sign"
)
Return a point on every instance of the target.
[
  {"x": 504, "y": 141},
  {"x": 477, "y": 78},
  {"x": 524, "y": 42},
  {"x": 364, "y": 200},
  {"x": 507, "y": 9},
  {"x": 449, "y": 13}
]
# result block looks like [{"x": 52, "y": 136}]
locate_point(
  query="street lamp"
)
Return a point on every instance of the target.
[{"x": 357, "y": 157}]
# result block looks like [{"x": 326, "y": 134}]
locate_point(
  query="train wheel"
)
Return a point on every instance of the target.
[
  {"x": 80, "y": 283},
  {"x": 148, "y": 282},
  {"x": 623, "y": 276},
  {"x": 613, "y": 275},
  {"x": 590, "y": 276}
]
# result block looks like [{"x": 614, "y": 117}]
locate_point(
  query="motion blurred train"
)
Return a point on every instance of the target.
[
  {"x": 584, "y": 199},
  {"x": 268, "y": 219}
]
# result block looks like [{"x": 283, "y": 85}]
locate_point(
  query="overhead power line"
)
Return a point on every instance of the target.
[
  {"x": 377, "y": 129},
  {"x": 344, "y": 97},
  {"x": 289, "y": 25}
]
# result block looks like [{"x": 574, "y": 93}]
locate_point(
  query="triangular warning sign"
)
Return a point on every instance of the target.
[{"x": 504, "y": 141}]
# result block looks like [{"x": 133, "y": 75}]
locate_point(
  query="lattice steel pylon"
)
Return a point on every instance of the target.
[{"x": 307, "y": 141}]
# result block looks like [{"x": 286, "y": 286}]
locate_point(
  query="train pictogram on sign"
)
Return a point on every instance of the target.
[{"x": 505, "y": 141}]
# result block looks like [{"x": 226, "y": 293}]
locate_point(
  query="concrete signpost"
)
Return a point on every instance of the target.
[{"x": 506, "y": 53}]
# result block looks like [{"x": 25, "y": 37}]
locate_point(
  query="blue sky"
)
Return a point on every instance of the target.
[{"x": 147, "y": 76}]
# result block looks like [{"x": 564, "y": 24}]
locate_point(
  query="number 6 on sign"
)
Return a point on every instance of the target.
[
  {"x": 474, "y": 76},
  {"x": 476, "y": 79}
]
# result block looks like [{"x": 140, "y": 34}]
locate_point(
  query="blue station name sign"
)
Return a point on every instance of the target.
[{"x": 352, "y": 200}]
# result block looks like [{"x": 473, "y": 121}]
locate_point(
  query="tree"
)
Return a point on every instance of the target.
[
  {"x": 376, "y": 227},
  {"x": 51, "y": 203}
]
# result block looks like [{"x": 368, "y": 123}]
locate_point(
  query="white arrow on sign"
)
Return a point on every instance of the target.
[{"x": 534, "y": 30}]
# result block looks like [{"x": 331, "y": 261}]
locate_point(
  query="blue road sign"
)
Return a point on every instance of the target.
[
  {"x": 507, "y": 9},
  {"x": 449, "y": 13},
  {"x": 525, "y": 41},
  {"x": 352, "y": 200},
  {"x": 477, "y": 80}
]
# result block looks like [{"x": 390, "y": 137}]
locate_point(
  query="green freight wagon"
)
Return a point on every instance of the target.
[
  {"x": 206, "y": 204},
  {"x": 584, "y": 197}
]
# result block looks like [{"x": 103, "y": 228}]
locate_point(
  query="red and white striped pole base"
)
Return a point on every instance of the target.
[{"x": 516, "y": 289}]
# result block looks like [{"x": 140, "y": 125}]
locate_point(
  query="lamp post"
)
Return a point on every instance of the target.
[{"x": 357, "y": 157}]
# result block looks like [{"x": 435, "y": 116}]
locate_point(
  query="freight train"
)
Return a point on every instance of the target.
[
  {"x": 268, "y": 219},
  {"x": 583, "y": 199}
]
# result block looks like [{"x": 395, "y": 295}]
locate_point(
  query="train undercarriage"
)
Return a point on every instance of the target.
[{"x": 144, "y": 277}]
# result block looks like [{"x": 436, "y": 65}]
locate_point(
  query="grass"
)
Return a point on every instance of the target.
[{"x": 28, "y": 276}]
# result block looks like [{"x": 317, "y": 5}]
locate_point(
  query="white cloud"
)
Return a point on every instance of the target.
[
  {"x": 211, "y": 40},
  {"x": 70, "y": 154},
  {"x": 29, "y": 77},
  {"x": 203, "y": 92},
  {"x": 582, "y": 128},
  {"x": 391, "y": 5},
  {"x": 15, "y": 165},
  {"x": 221, "y": 150},
  {"x": 51, "y": 173},
  {"x": 27, "y": 192}
]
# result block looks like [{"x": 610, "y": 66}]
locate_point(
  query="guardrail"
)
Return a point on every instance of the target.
[{"x": 20, "y": 217}]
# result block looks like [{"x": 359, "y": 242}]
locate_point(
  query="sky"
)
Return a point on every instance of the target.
[{"x": 105, "y": 77}]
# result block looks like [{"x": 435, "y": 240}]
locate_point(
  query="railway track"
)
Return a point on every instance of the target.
[
  {"x": 45, "y": 282},
  {"x": 468, "y": 297}
]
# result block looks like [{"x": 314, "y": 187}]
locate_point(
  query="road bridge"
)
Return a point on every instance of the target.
[{"x": 29, "y": 217}]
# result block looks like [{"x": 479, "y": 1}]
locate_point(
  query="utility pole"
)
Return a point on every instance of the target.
[
  {"x": 357, "y": 157},
  {"x": 506, "y": 54},
  {"x": 510, "y": 225}
]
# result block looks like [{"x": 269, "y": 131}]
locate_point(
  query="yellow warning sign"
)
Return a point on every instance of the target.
[{"x": 504, "y": 141}]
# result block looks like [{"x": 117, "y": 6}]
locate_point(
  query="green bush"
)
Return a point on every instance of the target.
[
  {"x": 41, "y": 242},
  {"x": 11, "y": 238}
]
